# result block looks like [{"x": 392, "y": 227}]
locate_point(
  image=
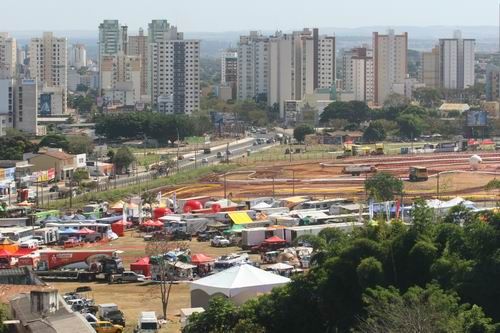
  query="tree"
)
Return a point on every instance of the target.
[
  {"x": 383, "y": 186},
  {"x": 123, "y": 158},
  {"x": 427, "y": 97},
  {"x": 374, "y": 132},
  {"x": 410, "y": 126},
  {"x": 396, "y": 101},
  {"x": 55, "y": 141},
  {"x": 420, "y": 310},
  {"x": 354, "y": 112},
  {"x": 80, "y": 144},
  {"x": 12, "y": 147},
  {"x": 415, "y": 110},
  {"x": 165, "y": 274},
  {"x": 79, "y": 175},
  {"x": 300, "y": 132}
]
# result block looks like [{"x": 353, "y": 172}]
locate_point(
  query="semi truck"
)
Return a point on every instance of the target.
[{"x": 79, "y": 265}]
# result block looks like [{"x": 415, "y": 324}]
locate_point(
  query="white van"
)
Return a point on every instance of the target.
[{"x": 147, "y": 323}]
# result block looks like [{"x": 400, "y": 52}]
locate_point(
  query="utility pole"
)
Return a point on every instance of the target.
[
  {"x": 227, "y": 153},
  {"x": 437, "y": 186},
  {"x": 178, "y": 147},
  {"x": 293, "y": 182},
  {"x": 273, "y": 188}
]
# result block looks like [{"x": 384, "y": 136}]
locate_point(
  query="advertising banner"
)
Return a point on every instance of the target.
[
  {"x": 51, "y": 174},
  {"x": 45, "y": 104},
  {"x": 477, "y": 118}
]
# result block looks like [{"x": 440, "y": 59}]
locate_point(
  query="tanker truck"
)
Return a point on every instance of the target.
[{"x": 79, "y": 265}]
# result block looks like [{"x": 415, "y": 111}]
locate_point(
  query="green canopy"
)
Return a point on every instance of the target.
[{"x": 235, "y": 228}]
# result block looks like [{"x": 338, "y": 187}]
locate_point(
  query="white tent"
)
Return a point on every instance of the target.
[{"x": 238, "y": 283}]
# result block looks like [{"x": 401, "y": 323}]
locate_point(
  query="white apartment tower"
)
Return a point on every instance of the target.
[
  {"x": 174, "y": 70},
  {"x": 49, "y": 65},
  {"x": 253, "y": 66},
  {"x": 390, "y": 54},
  {"x": 229, "y": 67},
  {"x": 358, "y": 74},
  {"x": 112, "y": 40},
  {"x": 18, "y": 105},
  {"x": 78, "y": 56},
  {"x": 8, "y": 56},
  {"x": 456, "y": 62},
  {"x": 121, "y": 78}
]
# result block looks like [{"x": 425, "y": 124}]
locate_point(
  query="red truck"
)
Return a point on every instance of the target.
[{"x": 81, "y": 265}]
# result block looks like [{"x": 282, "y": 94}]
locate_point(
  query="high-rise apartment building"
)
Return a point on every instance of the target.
[
  {"x": 390, "y": 56},
  {"x": 456, "y": 58},
  {"x": 430, "y": 68},
  {"x": 78, "y": 56},
  {"x": 49, "y": 65},
  {"x": 8, "y": 56},
  {"x": 253, "y": 66},
  {"x": 492, "y": 83},
  {"x": 285, "y": 66},
  {"x": 174, "y": 70},
  {"x": 138, "y": 46},
  {"x": 121, "y": 78},
  {"x": 112, "y": 40},
  {"x": 18, "y": 105},
  {"x": 229, "y": 67},
  {"x": 358, "y": 74}
]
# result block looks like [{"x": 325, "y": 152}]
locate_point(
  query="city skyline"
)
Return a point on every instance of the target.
[{"x": 50, "y": 15}]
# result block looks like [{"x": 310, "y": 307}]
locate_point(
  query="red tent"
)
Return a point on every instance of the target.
[
  {"x": 141, "y": 266},
  {"x": 197, "y": 259},
  {"x": 85, "y": 231},
  {"x": 488, "y": 142},
  {"x": 274, "y": 240},
  {"x": 153, "y": 223},
  {"x": 5, "y": 254},
  {"x": 119, "y": 228},
  {"x": 160, "y": 212}
]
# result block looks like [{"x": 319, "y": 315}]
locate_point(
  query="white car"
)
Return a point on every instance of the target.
[
  {"x": 192, "y": 159},
  {"x": 220, "y": 241}
]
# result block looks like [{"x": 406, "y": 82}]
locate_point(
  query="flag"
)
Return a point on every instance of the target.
[{"x": 398, "y": 207}]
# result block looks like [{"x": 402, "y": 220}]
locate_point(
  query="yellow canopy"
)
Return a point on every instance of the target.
[{"x": 240, "y": 217}]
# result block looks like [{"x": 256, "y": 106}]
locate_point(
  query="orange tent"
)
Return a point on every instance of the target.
[{"x": 8, "y": 245}]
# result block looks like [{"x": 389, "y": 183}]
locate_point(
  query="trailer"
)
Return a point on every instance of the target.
[
  {"x": 254, "y": 236},
  {"x": 80, "y": 265},
  {"x": 292, "y": 233},
  {"x": 358, "y": 169}
]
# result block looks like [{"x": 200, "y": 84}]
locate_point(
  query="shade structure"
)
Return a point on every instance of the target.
[
  {"x": 200, "y": 258},
  {"x": 8, "y": 245},
  {"x": 68, "y": 231},
  {"x": 239, "y": 284},
  {"x": 274, "y": 240},
  {"x": 141, "y": 266},
  {"x": 22, "y": 252},
  {"x": 5, "y": 254},
  {"x": 119, "y": 228},
  {"x": 153, "y": 223},
  {"x": 280, "y": 267},
  {"x": 86, "y": 231},
  {"x": 160, "y": 212}
]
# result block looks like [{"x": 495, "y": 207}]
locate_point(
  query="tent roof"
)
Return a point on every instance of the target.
[
  {"x": 142, "y": 261},
  {"x": 240, "y": 217},
  {"x": 238, "y": 279},
  {"x": 86, "y": 231},
  {"x": 201, "y": 258},
  {"x": 7, "y": 241},
  {"x": 69, "y": 231},
  {"x": 152, "y": 223},
  {"x": 4, "y": 253},
  {"x": 274, "y": 239},
  {"x": 280, "y": 267}
]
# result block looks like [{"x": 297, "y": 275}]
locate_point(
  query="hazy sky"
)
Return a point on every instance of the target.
[{"x": 230, "y": 15}]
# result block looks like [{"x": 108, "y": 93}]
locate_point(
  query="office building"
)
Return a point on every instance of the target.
[
  {"x": 78, "y": 56},
  {"x": 229, "y": 66},
  {"x": 253, "y": 66},
  {"x": 8, "y": 56},
  {"x": 138, "y": 46},
  {"x": 492, "y": 83},
  {"x": 456, "y": 62},
  {"x": 390, "y": 53},
  {"x": 430, "y": 68},
  {"x": 174, "y": 72},
  {"x": 49, "y": 65}
]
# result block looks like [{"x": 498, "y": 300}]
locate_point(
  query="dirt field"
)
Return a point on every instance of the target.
[{"x": 134, "y": 298}]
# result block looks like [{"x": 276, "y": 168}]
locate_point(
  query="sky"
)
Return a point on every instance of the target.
[{"x": 238, "y": 15}]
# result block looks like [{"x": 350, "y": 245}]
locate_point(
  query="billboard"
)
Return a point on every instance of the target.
[
  {"x": 45, "y": 104},
  {"x": 477, "y": 118}
]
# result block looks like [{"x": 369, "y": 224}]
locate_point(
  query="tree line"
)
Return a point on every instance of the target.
[
  {"x": 435, "y": 275},
  {"x": 161, "y": 127}
]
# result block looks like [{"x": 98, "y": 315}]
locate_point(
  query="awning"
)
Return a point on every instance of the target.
[{"x": 240, "y": 217}]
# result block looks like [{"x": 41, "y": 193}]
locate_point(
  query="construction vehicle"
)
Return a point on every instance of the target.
[
  {"x": 418, "y": 174},
  {"x": 358, "y": 169},
  {"x": 79, "y": 265},
  {"x": 379, "y": 149}
]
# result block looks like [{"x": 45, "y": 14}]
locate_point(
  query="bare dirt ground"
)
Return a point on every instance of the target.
[{"x": 137, "y": 297}]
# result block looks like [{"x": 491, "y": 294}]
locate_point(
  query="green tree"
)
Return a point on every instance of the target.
[
  {"x": 428, "y": 97},
  {"x": 396, "y": 101},
  {"x": 12, "y": 147},
  {"x": 370, "y": 272},
  {"x": 354, "y": 112},
  {"x": 410, "y": 126},
  {"x": 80, "y": 144},
  {"x": 55, "y": 141},
  {"x": 374, "y": 132},
  {"x": 123, "y": 158},
  {"x": 383, "y": 186},
  {"x": 80, "y": 175},
  {"x": 300, "y": 132}
]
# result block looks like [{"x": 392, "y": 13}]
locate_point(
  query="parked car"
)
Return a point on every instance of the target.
[
  {"x": 220, "y": 241},
  {"x": 106, "y": 327},
  {"x": 127, "y": 276},
  {"x": 192, "y": 159},
  {"x": 180, "y": 235}
]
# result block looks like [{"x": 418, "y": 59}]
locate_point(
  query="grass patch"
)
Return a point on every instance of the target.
[{"x": 114, "y": 195}]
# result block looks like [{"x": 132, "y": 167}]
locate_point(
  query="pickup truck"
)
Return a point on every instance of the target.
[
  {"x": 220, "y": 241},
  {"x": 127, "y": 276}
]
